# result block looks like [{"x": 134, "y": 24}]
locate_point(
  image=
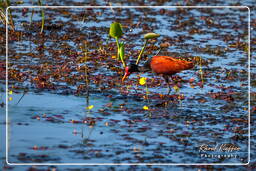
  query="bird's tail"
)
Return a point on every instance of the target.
[{"x": 188, "y": 65}]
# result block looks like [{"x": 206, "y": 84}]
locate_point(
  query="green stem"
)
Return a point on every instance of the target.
[
  {"x": 8, "y": 3},
  {"x": 31, "y": 17},
  {"x": 122, "y": 59},
  {"x": 123, "y": 62},
  {"x": 150, "y": 114},
  {"x": 42, "y": 13},
  {"x": 147, "y": 93},
  {"x": 24, "y": 93},
  {"x": 87, "y": 81},
  {"x": 42, "y": 26},
  {"x": 2, "y": 16},
  {"x": 141, "y": 52},
  {"x": 117, "y": 44},
  {"x": 201, "y": 71},
  {"x": 158, "y": 51},
  {"x": 118, "y": 52}
]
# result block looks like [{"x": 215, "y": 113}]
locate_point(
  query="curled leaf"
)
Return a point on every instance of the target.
[
  {"x": 151, "y": 35},
  {"x": 115, "y": 30}
]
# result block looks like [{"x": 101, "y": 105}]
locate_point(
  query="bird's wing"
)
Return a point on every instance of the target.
[{"x": 169, "y": 65}]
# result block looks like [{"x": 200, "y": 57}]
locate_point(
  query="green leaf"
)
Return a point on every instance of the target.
[
  {"x": 151, "y": 35},
  {"x": 115, "y": 30}
]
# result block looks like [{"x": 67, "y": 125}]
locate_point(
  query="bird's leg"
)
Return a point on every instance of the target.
[{"x": 166, "y": 78}]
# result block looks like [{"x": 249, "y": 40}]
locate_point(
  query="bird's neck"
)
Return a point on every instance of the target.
[{"x": 144, "y": 68}]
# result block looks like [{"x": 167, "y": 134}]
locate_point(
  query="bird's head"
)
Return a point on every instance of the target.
[{"x": 129, "y": 70}]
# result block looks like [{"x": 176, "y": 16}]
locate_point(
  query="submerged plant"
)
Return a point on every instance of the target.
[{"x": 116, "y": 32}]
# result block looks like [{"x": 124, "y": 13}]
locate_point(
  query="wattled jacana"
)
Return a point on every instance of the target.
[{"x": 161, "y": 65}]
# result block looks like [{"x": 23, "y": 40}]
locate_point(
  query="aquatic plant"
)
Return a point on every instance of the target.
[
  {"x": 116, "y": 32},
  {"x": 10, "y": 97},
  {"x": 145, "y": 107},
  {"x": 3, "y": 18},
  {"x": 31, "y": 16},
  {"x": 146, "y": 37},
  {"x": 143, "y": 81},
  {"x": 25, "y": 91},
  {"x": 85, "y": 50},
  {"x": 90, "y": 107},
  {"x": 42, "y": 19},
  {"x": 198, "y": 60},
  {"x": 162, "y": 46}
]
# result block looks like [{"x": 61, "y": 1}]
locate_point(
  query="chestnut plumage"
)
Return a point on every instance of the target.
[{"x": 161, "y": 65}]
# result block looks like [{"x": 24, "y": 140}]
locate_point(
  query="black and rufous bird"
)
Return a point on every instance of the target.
[{"x": 161, "y": 65}]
